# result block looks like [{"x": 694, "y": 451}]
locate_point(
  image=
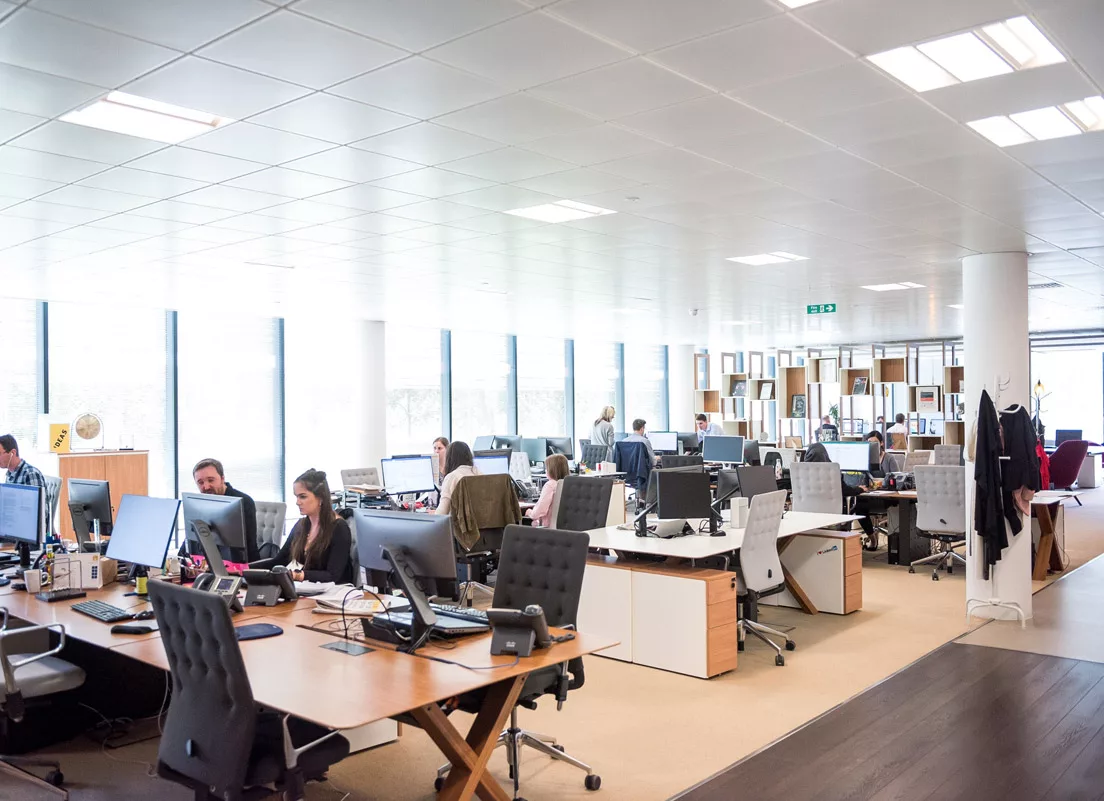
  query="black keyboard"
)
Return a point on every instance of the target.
[
  {"x": 102, "y": 612},
  {"x": 461, "y": 613}
]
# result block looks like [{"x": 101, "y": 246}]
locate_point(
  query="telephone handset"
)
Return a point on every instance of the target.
[
  {"x": 517, "y": 631},
  {"x": 267, "y": 587},
  {"x": 226, "y": 587}
]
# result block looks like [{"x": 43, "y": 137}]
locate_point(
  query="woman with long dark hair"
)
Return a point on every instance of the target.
[
  {"x": 320, "y": 544},
  {"x": 459, "y": 462}
]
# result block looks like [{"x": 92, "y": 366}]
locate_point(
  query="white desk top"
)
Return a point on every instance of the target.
[
  {"x": 1054, "y": 496},
  {"x": 702, "y": 545}
]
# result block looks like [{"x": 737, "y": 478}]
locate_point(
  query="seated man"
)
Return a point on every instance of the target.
[
  {"x": 827, "y": 431},
  {"x": 706, "y": 428},
  {"x": 210, "y": 480},
  {"x": 640, "y": 434},
  {"x": 21, "y": 472}
]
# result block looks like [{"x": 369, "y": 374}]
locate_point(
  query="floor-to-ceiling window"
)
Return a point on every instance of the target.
[
  {"x": 413, "y": 389},
  {"x": 1073, "y": 382},
  {"x": 646, "y": 385},
  {"x": 541, "y": 373},
  {"x": 480, "y": 379},
  {"x": 597, "y": 378},
  {"x": 19, "y": 373}
]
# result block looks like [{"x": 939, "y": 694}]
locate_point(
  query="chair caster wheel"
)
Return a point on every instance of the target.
[
  {"x": 791, "y": 645},
  {"x": 950, "y": 570},
  {"x": 780, "y": 660},
  {"x": 592, "y": 782},
  {"x": 935, "y": 576},
  {"x": 438, "y": 783},
  {"x": 912, "y": 569},
  {"x": 55, "y": 777},
  {"x": 740, "y": 645},
  {"x": 559, "y": 748}
]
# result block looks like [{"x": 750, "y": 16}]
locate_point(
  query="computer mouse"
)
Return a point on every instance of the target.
[
  {"x": 127, "y": 628},
  {"x": 144, "y": 615},
  {"x": 4, "y": 581}
]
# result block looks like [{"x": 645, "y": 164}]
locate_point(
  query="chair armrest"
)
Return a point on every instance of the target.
[
  {"x": 4, "y": 616},
  {"x": 8, "y": 666},
  {"x": 291, "y": 753}
]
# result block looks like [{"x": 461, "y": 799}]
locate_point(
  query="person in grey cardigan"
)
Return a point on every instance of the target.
[{"x": 602, "y": 433}]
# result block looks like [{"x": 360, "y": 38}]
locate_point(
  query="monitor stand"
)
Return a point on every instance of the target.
[
  {"x": 81, "y": 526},
  {"x": 641, "y": 520},
  {"x": 210, "y": 548},
  {"x": 24, "y": 556}
]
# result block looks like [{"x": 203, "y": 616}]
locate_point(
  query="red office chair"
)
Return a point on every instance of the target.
[{"x": 1065, "y": 464}]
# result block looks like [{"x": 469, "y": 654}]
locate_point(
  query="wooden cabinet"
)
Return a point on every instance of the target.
[{"x": 127, "y": 472}]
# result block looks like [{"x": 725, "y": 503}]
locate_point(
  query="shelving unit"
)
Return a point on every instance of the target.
[
  {"x": 707, "y": 401},
  {"x": 790, "y": 382}
]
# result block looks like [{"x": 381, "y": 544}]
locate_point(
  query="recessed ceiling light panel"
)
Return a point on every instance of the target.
[
  {"x": 122, "y": 113},
  {"x": 893, "y": 287},
  {"x": 1052, "y": 122},
  {"x": 911, "y": 67},
  {"x": 777, "y": 257},
  {"x": 798, "y": 3},
  {"x": 1046, "y": 123},
  {"x": 560, "y": 212},
  {"x": 1001, "y": 131},
  {"x": 966, "y": 57},
  {"x": 1023, "y": 43}
]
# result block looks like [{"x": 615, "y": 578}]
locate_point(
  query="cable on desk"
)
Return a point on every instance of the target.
[{"x": 515, "y": 663}]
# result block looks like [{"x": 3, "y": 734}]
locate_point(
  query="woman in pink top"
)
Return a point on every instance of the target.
[{"x": 555, "y": 467}]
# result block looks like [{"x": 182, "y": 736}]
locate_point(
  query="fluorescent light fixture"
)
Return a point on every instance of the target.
[
  {"x": 798, "y": 3},
  {"x": 910, "y": 66},
  {"x": 1001, "y": 131},
  {"x": 966, "y": 57},
  {"x": 145, "y": 118},
  {"x": 1046, "y": 123},
  {"x": 893, "y": 287},
  {"x": 1089, "y": 112},
  {"x": 777, "y": 257},
  {"x": 955, "y": 306},
  {"x": 997, "y": 49},
  {"x": 561, "y": 211}
]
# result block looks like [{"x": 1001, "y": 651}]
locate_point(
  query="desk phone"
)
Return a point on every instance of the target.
[{"x": 225, "y": 587}]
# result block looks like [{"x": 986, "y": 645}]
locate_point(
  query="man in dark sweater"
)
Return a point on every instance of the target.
[{"x": 211, "y": 480}]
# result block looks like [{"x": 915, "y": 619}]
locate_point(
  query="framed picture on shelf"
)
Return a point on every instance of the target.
[
  {"x": 797, "y": 406},
  {"x": 766, "y": 391},
  {"x": 914, "y": 426},
  {"x": 739, "y": 388},
  {"x": 828, "y": 374},
  {"x": 927, "y": 399},
  {"x": 935, "y": 427},
  {"x": 859, "y": 386}
]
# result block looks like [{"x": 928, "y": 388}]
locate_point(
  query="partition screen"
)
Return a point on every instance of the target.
[
  {"x": 542, "y": 372},
  {"x": 413, "y": 389}
]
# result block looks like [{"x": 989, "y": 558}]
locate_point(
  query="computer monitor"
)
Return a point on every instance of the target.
[
  {"x": 490, "y": 463},
  {"x": 664, "y": 441},
  {"x": 484, "y": 443},
  {"x": 723, "y": 449},
  {"x": 89, "y": 500},
  {"x": 403, "y": 475},
  {"x": 22, "y": 518},
  {"x": 852, "y": 457},
  {"x": 506, "y": 441},
  {"x": 689, "y": 441},
  {"x": 223, "y": 517},
  {"x": 683, "y": 494},
  {"x": 1066, "y": 434},
  {"x": 560, "y": 445},
  {"x": 751, "y": 452},
  {"x": 535, "y": 448},
  {"x": 650, "y": 493},
  {"x": 756, "y": 480},
  {"x": 426, "y": 540},
  {"x": 143, "y": 529}
]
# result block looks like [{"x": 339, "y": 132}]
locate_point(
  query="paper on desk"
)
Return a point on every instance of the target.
[
  {"x": 314, "y": 587},
  {"x": 357, "y": 605}
]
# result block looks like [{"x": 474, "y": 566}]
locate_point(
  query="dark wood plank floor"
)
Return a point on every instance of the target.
[{"x": 965, "y": 723}]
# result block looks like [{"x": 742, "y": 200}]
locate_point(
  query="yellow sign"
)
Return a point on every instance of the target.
[{"x": 59, "y": 438}]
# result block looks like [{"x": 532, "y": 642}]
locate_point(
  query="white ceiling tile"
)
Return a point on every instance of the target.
[
  {"x": 44, "y": 95},
  {"x": 258, "y": 224},
  {"x": 433, "y": 182},
  {"x": 53, "y": 212},
  {"x": 620, "y": 89},
  {"x": 20, "y": 187},
  {"x": 440, "y": 235},
  {"x": 289, "y": 183},
  {"x": 203, "y": 85},
  {"x": 435, "y": 211},
  {"x": 351, "y": 164},
  {"x": 333, "y": 119},
  {"x": 220, "y": 196},
  {"x": 954, "y": 140},
  {"x": 76, "y": 51},
  {"x": 142, "y": 182},
  {"x": 527, "y": 51},
  {"x": 308, "y": 211},
  {"x": 176, "y": 211},
  {"x": 1017, "y": 91},
  {"x": 593, "y": 145},
  {"x": 763, "y": 145},
  {"x": 1086, "y": 147},
  {"x": 195, "y": 164},
  {"x": 14, "y": 230},
  {"x": 646, "y": 25},
  {"x": 379, "y": 224},
  {"x": 367, "y": 198},
  {"x": 13, "y": 123},
  {"x": 49, "y": 166},
  {"x": 328, "y": 235},
  {"x": 871, "y": 26},
  {"x": 244, "y": 140},
  {"x": 92, "y": 235},
  {"x": 706, "y": 119},
  {"x": 762, "y": 51},
  {"x": 415, "y": 24},
  {"x": 100, "y": 199},
  {"x": 574, "y": 184},
  {"x": 660, "y": 165},
  {"x": 140, "y": 225},
  {"x": 180, "y": 24},
  {"x": 507, "y": 165},
  {"x": 213, "y": 235},
  {"x": 300, "y": 50},
  {"x": 829, "y": 91},
  {"x": 419, "y": 88},
  {"x": 887, "y": 120},
  {"x": 78, "y": 141},
  {"x": 429, "y": 144},
  {"x": 499, "y": 198},
  {"x": 515, "y": 119},
  {"x": 496, "y": 224}
]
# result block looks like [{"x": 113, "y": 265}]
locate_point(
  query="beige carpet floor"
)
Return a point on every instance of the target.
[{"x": 648, "y": 733}]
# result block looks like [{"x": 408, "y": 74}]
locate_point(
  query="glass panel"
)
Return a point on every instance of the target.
[
  {"x": 413, "y": 389},
  {"x": 229, "y": 380},
  {"x": 646, "y": 385},
  {"x": 597, "y": 374},
  {"x": 1072, "y": 380},
  {"x": 19, "y": 380},
  {"x": 480, "y": 369},
  {"x": 542, "y": 369}
]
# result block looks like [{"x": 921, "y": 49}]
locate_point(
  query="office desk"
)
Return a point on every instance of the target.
[
  {"x": 905, "y": 546},
  {"x": 679, "y": 617},
  {"x": 1045, "y": 507}
]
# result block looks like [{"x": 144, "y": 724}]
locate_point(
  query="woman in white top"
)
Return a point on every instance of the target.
[
  {"x": 458, "y": 463},
  {"x": 602, "y": 433},
  {"x": 556, "y": 468}
]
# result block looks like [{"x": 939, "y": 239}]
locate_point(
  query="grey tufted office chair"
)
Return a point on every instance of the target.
[
  {"x": 215, "y": 741},
  {"x": 271, "y": 516},
  {"x": 914, "y": 459},
  {"x": 360, "y": 475},
  {"x": 816, "y": 487},
  {"x": 681, "y": 460},
  {"x": 53, "y": 495},
  {"x": 941, "y": 513},
  {"x": 760, "y": 571},
  {"x": 948, "y": 455},
  {"x": 584, "y": 503},
  {"x": 540, "y": 566},
  {"x": 25, "y": 678},
  {"x": 593, "y": 454}
]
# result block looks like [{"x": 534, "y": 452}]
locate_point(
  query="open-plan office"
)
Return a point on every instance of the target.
[{"x": 573, "y": 399}]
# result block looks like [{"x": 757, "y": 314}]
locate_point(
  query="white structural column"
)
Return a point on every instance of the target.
[
  {"x": 680, "y": 370},
  {"x": 997, "y": 359}
]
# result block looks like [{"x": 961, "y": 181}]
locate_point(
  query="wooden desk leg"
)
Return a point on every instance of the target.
[
  {"x": 469, "y": 756},
  {"x": 1046, "y": 543},
  {"x": 791, "y": 583}
]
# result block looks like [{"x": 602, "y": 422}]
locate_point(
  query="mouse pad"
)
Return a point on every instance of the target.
[{"x": 257, "y": 631}]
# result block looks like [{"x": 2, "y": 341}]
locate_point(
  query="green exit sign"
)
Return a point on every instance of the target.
[{"x": 820, "y": 308}]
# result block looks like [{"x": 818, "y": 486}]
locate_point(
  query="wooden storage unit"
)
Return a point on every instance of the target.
[
  {"x": 707, "y": 401},
  {"x": 755, "y": 389},
  {"x": 923, "y": 442},
  {"x": 828, "y": 567},
  {"x": 127, "y": 472},
  {"x": 953, "y": 378},
  {"x": 954, "y": 432},
  {"x": 736, "y": 428},
  {"x": 889, "y": 370},
  {"x": 914, "y": 399},
  {"x": 823, "y": 370},
  {"x": 847, "y": 381},
  {"x": 729, "y": 382},
  {"x": 790, "y": 382}
]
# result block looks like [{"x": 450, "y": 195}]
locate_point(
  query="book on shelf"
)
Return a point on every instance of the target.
[
  {"x": 859, "y": 385},
  {"x": 766, "y": 390}
]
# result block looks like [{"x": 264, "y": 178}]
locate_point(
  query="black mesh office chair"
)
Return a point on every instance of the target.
[
  {"x": 593, "y": 454},
  {"x": 584, "y": 503},
  {"x": 216, "y": 742},
  {"x": 540, "y": 566},
  {"x": 680, "y": 460}
]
